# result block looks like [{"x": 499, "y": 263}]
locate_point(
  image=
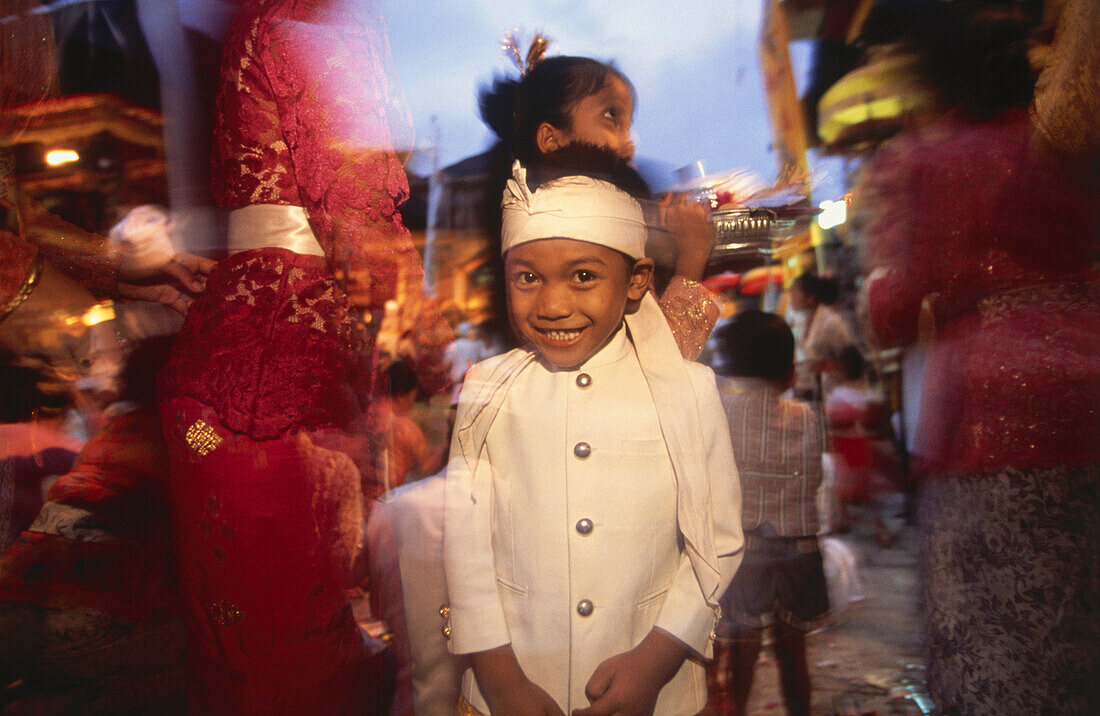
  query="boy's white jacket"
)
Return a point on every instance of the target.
[{"x": 708, "y": 494}]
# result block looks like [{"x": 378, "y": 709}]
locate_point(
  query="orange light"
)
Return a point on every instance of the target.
[
  {"x": 103, "y": 311},
  {"x": 57, "y": 157}
]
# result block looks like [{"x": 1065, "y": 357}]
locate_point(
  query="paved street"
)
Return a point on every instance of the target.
[{"x": 862, "y": 662}]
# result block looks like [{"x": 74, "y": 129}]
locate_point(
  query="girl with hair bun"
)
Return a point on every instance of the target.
[{"x": 566, "y": 100}]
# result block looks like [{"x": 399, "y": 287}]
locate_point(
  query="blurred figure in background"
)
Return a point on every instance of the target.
[
  {"x": 407, "y": 450},
  {"x": 50, "y": 264},
  {"x": 34, "y": 445},
  {"x": 1001, "y": 246},
  {"x": 466, "y": 349},
  {"x": 781, "y": 582},
  {"x": 89, "y": 609},
  {"x": 822, "y": 334},
  {"x": 861, "y": 444}
]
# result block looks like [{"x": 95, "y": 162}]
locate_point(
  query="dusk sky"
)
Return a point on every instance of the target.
[{"x": 694, "y": 64}]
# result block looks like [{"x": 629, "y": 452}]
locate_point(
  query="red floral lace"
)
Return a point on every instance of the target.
[
  {"x": 1002, "y": 246},
  {"x": 301, "y": 120},
  {"x": 268, "y": 345}
]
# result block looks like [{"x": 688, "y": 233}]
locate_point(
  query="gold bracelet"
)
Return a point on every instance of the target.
[{"x": 25, "y": 290}]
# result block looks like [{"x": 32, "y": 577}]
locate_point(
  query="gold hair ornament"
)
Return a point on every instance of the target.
[{"x": 539, "y": 45}]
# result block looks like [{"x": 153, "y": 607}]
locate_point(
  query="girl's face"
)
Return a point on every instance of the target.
[{"x": 602, "y": 119}]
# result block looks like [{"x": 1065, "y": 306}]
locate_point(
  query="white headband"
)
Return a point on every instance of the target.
[{"x": 572, "y": 207}]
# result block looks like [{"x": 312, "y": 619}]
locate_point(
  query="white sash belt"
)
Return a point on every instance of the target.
[{"x": 272, "y": 226}]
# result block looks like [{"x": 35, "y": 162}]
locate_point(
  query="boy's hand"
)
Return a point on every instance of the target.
[
  {"x": 506, "y": 689},
  {"x": 628, "y": 683},
  {"x": 525, "y": 699}
]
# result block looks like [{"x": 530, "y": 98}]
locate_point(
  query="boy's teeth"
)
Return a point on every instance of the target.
[{"x": 562, "y": 335}]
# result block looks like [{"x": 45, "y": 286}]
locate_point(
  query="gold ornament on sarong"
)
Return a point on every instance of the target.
[
  {"x": 202, "y": 438},
  {"x": 225, "y": 613}
]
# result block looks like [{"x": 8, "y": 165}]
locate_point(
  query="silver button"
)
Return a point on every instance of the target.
[
  {"x": 582, "y": 450},
  {"x": 584, "y": 526},
  {"x": 584, "y": 607},
  {"x": 584, "y": 380}
]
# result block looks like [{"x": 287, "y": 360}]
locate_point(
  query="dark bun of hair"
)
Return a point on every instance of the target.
[
  {"x": 591, "y": 160},
  {"x": 550, "y": 91}
]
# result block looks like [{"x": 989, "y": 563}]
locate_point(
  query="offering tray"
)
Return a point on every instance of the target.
[{"x": 753, "y": 232}]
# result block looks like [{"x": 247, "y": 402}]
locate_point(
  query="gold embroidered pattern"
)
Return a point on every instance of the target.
[
  {"x": 226, "y": 613},
  {"x": 463, "y": 708},
  {"x": 202, "y": 438},
  {"x": 691, "y": 312},
  {"x": 25, "y": 290}
]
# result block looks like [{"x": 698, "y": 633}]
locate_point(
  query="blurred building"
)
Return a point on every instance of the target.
[{"x": 89, "y": 158}]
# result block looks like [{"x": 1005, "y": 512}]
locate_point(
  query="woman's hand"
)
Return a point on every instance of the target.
[{"x": 173, "y": 283}]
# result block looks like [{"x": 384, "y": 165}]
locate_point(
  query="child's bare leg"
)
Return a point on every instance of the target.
[
  {"x": 719, "y": 693},
  {"x": 744, "y": 650},
  {"x": 794, "y": 675},
  {"x": 883, "y": 536},
  {"x": 842, "y": 521}
]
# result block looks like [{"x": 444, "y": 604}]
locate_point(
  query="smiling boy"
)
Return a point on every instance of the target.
[{"x": 591, "y": 522}]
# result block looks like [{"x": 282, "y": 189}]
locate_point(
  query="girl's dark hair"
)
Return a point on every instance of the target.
[
  {"x": 496, "y": 103},
  {"x": 591, "y": 160},
  {"x": 975, "y": 54},
  {"x": 825, "y": 290},
  {"x": 757, "y": 345},
  {"x": 549, "y": 92}
]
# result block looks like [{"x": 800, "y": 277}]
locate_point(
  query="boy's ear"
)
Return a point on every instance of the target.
[
  {"x": 640, "y": 277},
  {"x": 549, "y": 138}
]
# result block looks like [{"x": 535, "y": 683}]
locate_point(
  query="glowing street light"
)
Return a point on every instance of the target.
[
  {"x": 57, "y": 157},
  {"x": 833, "y": 213}
]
